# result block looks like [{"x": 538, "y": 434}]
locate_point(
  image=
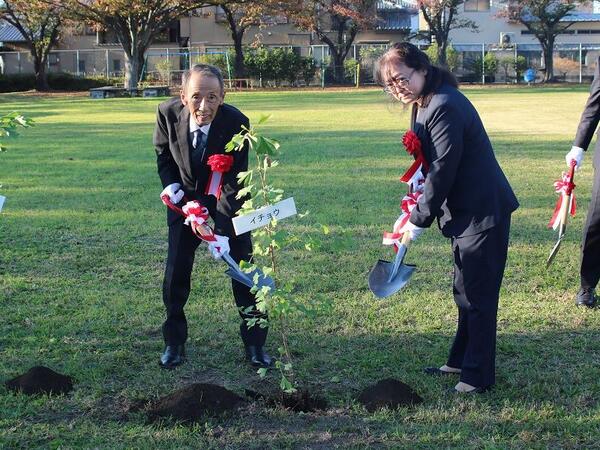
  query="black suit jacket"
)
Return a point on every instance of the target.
[
  {"x": 590, "y": 117},
  {"x": 173, "y": 150},
  {"x": 465, "y": 188}
]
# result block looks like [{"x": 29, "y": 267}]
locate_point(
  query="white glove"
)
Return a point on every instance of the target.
[
  {"x": 414, "y": 230},
  {"x": 575, "y": 154},
  {"x": 218, "y": 247},
  {"x": 174, "y": 192}
]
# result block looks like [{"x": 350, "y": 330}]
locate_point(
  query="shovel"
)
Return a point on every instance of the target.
[
  {"x": 247, "y": 278},
  {"x": 563, "y": 214},
  {"x": 234, "y": 271},
  {"x": 387, "y": 278}
]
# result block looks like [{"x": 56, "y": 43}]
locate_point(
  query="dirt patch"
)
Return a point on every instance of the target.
[
  {"x": 194, "y": 402},
  {"x": 388, "y": 393},
  {"x": 41, "y": 380},
  {"x": 300, "y": 401}
]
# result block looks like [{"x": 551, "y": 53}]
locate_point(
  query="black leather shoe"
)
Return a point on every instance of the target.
[
  {"x": 258, "y": 357},
  {"x": 438, "y": 372},
  {"x": 173, "y": 356},
  {"x": 586, "y": 297}
]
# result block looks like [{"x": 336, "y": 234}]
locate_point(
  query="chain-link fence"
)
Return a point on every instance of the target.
[{"x": 475, "y": 63}]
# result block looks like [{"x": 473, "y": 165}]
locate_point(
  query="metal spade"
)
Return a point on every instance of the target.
[
  {"x": 247, "y": 279},
  {"x": 387, "y": 278}
]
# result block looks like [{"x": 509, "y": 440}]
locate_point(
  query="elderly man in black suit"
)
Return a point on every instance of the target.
[
  {"x": 189, "y": 129},
  {"x": 467, "y": 192},
  {"x": 590, "y": 246}
]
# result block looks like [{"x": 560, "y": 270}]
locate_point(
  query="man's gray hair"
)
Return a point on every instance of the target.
[{"x": 205, "y": 69}]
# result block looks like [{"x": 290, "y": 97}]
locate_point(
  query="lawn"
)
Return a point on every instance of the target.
[{"x": 83, "y": 243}]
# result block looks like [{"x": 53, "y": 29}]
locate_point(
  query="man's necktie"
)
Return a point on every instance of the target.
[{"x": 199, "y": 145}]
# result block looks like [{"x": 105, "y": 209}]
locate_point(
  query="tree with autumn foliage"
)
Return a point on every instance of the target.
[
  {"x": 240, "y": 16},
  {"x": 135, "y": 23},
  {"x": 545, "y": 19},
  {"x": 40, "y": 25},
  {"x": 442, "y": 17},
  {"x": 335, "y": 23}
]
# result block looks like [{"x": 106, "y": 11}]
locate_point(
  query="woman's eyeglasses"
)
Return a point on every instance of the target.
[{"x": 395, "y": 83}]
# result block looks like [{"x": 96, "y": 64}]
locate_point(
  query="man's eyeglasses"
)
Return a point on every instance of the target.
[{"x": 395, "y": 83}]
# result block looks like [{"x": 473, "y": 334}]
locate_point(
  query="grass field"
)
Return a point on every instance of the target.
[{"x": 83, "y": 243}]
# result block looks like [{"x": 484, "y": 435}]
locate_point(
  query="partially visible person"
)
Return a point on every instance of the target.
[
  {"x": 590, "y": 246},
  {"x": 467, "y": 193},
  {"x": 189, "y": 129}
]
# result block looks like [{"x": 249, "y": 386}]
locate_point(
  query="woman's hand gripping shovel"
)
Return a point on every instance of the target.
[
  {"x": 566, "y": 205},
  {"x": 204, "y": 232},
  {"x": 387, "y": 278}
]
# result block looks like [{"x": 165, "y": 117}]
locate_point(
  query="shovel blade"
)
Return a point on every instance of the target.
[
  {"x": 553, "y": 252},
  {"x": 247, "y": 279},
  {"x": 380, "y": 274}
]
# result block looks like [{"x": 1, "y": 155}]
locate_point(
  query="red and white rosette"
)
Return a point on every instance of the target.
[
  {"x": 219, "y": 164},
  {"x": 409, "y": 201},
  {"x": 564, "y": 187},
  {"x": 195, "y": 213},
  {"x": 411, "y": 142},
  {"x": 196, "y": 216}
]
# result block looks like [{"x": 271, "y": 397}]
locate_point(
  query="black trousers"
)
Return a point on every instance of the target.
[
  {"x": 479, "y": 262},
  {"x": 176, "y": 285},
  {"x": 590, "y": 246}
]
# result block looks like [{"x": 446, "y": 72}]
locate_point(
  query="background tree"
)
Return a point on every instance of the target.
[
  {"x": 335, "y": 23},
  {"x": 39, "y": 24},
  {"x": 135, "y": 23},
  {"x": 565, "y": 66},
  {"x": 442, "y": 17},
  {"x": 545, "y": 19},
  {"x": 240, "y": 16}
]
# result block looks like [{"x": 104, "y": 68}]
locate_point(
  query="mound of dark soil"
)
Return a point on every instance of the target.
[
  {"x": 194, "y": 402},
  {"x": 41, "y": 380},
  {"x": 300, "y": 401},
  {"x": 389, "y": 393}
]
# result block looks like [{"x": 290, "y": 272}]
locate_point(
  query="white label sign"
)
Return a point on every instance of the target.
[
  {"x": 2, "y": 202},
  {"x": 262, "y": 217}
]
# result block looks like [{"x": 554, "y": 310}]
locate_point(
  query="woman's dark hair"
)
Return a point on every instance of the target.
[{"x": 411, "y": 56}]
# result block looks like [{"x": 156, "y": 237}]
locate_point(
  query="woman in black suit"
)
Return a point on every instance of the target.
[{"x": 467, "y": 192}]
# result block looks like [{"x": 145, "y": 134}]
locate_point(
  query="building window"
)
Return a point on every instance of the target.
[
  {"x": 116, "y": 65},
  {"x": 477, "y": 5}
]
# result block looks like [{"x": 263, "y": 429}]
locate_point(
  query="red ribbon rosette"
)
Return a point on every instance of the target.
[
  {"x": 196, "y": 216},
  {"x": 412, "y": 144},
  {"x": 219, "y": 164}
]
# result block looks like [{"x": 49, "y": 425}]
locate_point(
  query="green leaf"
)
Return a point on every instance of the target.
[
  {"x": 244, "y": 191},
  {"x": 245, "y": 177},
  {"x": 325, "y": 229},
  {"x": 263, "y": 118},
  {"x": 262, "y": 372}
]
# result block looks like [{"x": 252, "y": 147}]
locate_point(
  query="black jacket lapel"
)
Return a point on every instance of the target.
[{"x": 183, "y": 132}]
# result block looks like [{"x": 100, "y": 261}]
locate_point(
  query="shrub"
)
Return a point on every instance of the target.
[{"x": 60, "y": 81}]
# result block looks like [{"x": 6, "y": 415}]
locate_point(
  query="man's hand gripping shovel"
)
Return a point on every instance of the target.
[
  {"x": 566, "y": 205},
  {"x": 204, "y": 232}
]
